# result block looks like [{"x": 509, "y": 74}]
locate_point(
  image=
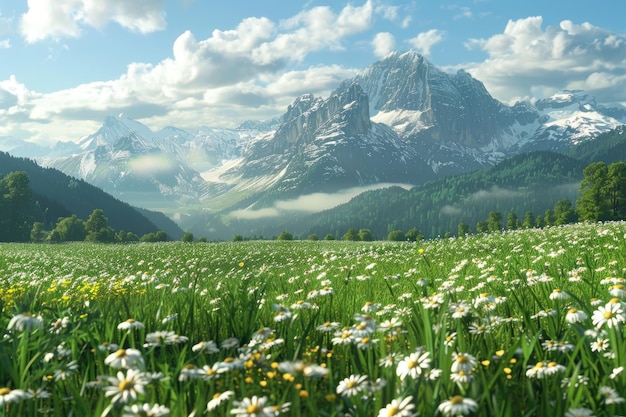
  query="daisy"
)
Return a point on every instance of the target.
[
  {"x": 463, "y": 362},
  {"x": 25, "y": 321},
  {"x": 160, "y": 338},
  {"x": 125, "y": 358},
  {"x": 206, "y": 347},
  {"x": 230, "y": 343},
  {"x": 414, "y": 364},
  {"x": 557, "y": 294},
  {"x": 579, "y": 412},
  {"x": 8, "y": 396},
  {"x": 218, "y": 399},
  {"x": 130, "y": 324},
  {"x": 399, "y": 408},
  {"x": 125, "y": 388},
  {"x": 575, "y": 316},
  {"x": 252, "y": 407},
  {"x": 457, "y": 405},
  {"x": 329, "y": 326},
  {"x": 461, "y": 377},
  {"x": 611, "y": 315},
  {"x": 352, "y": 385},
  {"x": 146, "y": 410}
]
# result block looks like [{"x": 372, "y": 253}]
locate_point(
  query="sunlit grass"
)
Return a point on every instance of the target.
[{"x": 523, "y": 323}]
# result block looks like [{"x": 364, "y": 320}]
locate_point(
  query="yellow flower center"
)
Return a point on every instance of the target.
[
  {"x": 457, "y": 399},
  {"x": 392, "y": 411},
  {"x": 120, "y": 353},
  {"x": 254, "y": 409},
  {"x": 461, "y": 359},
  {"x": 607, "y": 315},
  {"x": 125, "y": 385},
  {"x": 411, "y": 364},
  {"x": 4, "y": 391},
  {"x": 572, "y": 310}
]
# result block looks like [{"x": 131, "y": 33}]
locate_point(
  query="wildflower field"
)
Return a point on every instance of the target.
[{"x": 526, "y": 323}]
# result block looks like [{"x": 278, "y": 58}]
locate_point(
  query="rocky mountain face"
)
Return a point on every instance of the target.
[
  {"x": 401, "y": 120},
  {"x": 323, "y": 145}
]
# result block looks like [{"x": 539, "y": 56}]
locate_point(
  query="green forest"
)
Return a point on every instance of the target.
[{"x": 23, "y": 219}]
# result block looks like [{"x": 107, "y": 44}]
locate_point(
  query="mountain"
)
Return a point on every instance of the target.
[
  {"x": 461, "y": 127},
  {"x": 60, "y": 196},
  {"x": 401, "y": 121},
  {"x": 322, "y": 145}
]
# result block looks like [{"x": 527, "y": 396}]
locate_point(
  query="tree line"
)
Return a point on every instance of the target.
[
  {"x": 22, "y": 219},
  {"x": 602, "y": 194}
]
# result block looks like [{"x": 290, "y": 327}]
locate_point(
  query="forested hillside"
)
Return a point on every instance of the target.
[
  {"x": 58, "y": 195},
  {"x": 530, "y": 182}
]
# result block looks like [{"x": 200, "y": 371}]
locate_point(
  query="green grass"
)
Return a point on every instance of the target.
[{"x": 403, "y": 320}]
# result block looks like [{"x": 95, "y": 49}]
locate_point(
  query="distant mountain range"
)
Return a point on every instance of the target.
[{"x": 400, "y": 121}]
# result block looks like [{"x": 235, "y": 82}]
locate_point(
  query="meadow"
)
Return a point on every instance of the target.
[{"x": 523, "y": 323}]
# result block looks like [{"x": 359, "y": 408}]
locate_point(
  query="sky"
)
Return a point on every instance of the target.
[{"x": 67, "y": 64}]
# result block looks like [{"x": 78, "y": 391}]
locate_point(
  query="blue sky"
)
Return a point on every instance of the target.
[{"x": 66, "y": 64}]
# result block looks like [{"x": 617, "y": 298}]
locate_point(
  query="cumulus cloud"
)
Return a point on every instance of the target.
[
  {"x": 527, "y": 58},
  {"x": 383, "y": 43},
  {"x": 247, "y": 72},
  {"x": 426, "y": 40},
  {"x": 64, "y": 18}
]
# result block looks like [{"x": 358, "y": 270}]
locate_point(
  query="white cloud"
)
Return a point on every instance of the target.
[
  {"x": 426, "y": 40},
  {"x": 311, "y": 203},
  {"x": 383, "y": 43},
  {"x": 525, "y": 58},
  {"x": 248, "y": 72},
  {"x": 5, "y": 44},
  {"x": 64, "y": 18}
]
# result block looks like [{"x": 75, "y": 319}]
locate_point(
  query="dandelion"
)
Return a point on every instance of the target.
[
  {"x": 125, "y": 388},
  {"x": 146, "y": 410},
  {"x": 218, "y": 399},
  {"x": 414, "y": 364},
  {"x": 610, "y": 315},
  {"x": 399, "y": 408},
  {"x": 130, "y": 324},
  {"x": 9, "y": 396},
  {"x": 25, "y": 321},
  {"x": 352, "y": 385},
  {"x": 125, "y": 358},
  {"x": 457, "y": 405}
]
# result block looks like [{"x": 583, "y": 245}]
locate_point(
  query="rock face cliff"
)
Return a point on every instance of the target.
[
  {"x": 325, "y": 145},
  {"x": 419, "y": 100}
]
